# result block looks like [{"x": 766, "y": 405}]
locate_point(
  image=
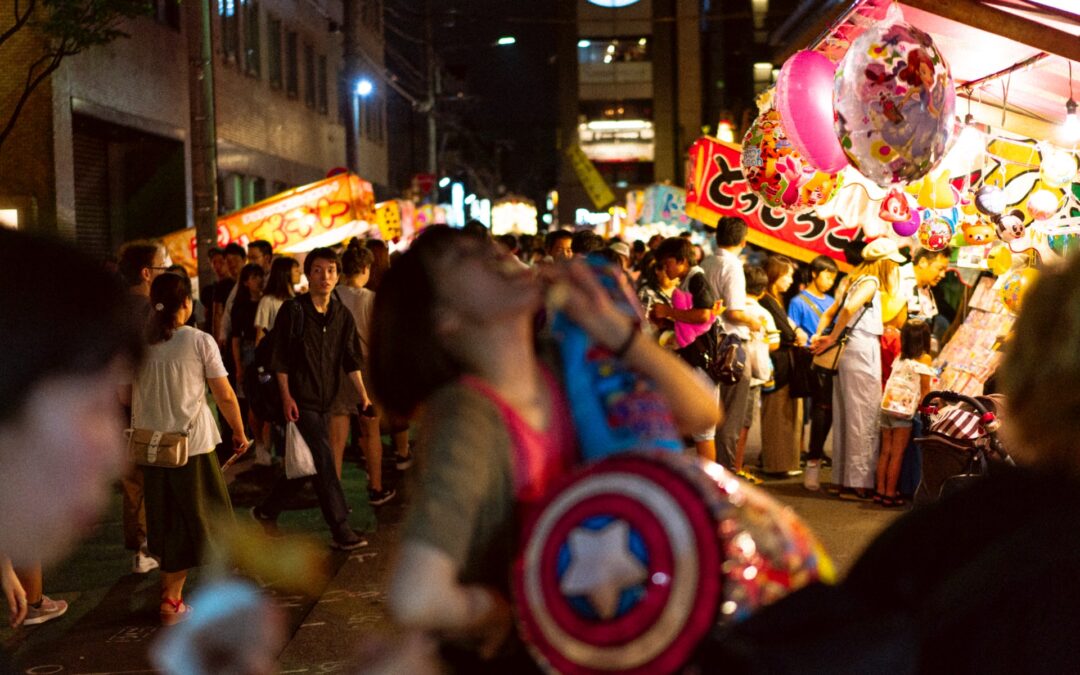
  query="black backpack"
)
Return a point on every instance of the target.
[{"x": 260, "y": 384}]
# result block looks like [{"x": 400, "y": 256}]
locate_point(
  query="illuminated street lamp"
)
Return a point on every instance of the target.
[
  {"x": 506, "y": 40},
  {"x": 364, "y": 87}
]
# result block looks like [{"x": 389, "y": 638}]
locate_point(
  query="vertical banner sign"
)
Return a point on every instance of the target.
[
  {"x": 598, "y": 190},
  {"x": 718, "y": 188},
  {"x": 317, "y": 214}
]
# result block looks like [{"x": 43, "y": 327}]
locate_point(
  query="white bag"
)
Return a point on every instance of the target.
[{"x": 298, "y": 461}]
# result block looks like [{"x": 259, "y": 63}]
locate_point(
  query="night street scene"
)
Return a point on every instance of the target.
[{"x": 592, "y": 337}]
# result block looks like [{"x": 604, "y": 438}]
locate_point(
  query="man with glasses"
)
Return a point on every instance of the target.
[{"x": 140, "y": 263}]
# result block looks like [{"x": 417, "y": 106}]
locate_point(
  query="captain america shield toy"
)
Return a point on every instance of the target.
[{"x": 637, "y": 558}]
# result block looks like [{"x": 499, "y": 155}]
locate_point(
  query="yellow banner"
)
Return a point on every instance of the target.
[
  {"x": 595, "y": 185},
  {"x": 318, "y": 214}
]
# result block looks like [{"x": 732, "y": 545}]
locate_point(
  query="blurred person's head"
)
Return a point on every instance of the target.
[
  {"x": 780, "y": 272},
  {"x": 654, "y": 241},
  {"x": 914, "y": 339},
  {"x": 756, "y": 280},
  {"x": 585, "y": 242},
  {"x": 675, "y": 256},
  {"x": 930, "y": 267},
  {"x": 284, "y": 274},
  {"x": 475, "y": 228},
  {"x": 509, "y": 241},
  {"x": 252, "y": 279},
  {"x": 69, "y": 344},
  {"x": 439, "y": 300},
  {"x": 170, "y": 298},
  {"x": 140, "y": 263},
  {"x": 217, "y": 262},
  {"x": 260, "y": 253},
  {"x": 622, "y": 250},
  {"x": 731, "y": 232},
  {"x": 823, "y": 271},
  {"x": 1040, "y": 372},
  {"x": 881, "y": 259},
  {"x": 322, "y": 268},
  {"x": 558, "y": 245},
  {"x": 356, "y": 266},
  {"x": 380, "y": 262},
  {"x": 235, "y": 257}
]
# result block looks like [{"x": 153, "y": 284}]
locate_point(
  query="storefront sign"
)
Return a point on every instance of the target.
[
  {"x": 594, "y": 184},
  {"x": 718, "y": 188},
  {"x": 311, "y": 214},
  {"x": 664, "y": 204}
]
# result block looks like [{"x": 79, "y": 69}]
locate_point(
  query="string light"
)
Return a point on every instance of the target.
[{"x": 1071, "y": 127}]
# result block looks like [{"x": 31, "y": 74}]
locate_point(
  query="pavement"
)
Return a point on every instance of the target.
[{"x": 113, "y": 618}]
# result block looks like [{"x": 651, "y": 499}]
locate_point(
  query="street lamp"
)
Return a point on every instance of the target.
[
  {"x": 506, "y": 40},
  {"x": 364, "y": 87}
]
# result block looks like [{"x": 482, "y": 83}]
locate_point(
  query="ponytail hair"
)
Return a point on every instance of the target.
[{"x": 167, "y": 295}]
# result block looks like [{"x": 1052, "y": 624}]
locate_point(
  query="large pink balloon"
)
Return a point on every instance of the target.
[{"x": 804, "y": 99}]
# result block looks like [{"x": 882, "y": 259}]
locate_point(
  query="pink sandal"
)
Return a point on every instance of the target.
[{"x": 179, "y": 612}]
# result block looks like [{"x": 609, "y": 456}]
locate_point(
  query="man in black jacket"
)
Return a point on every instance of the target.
[{"x": 315, "y": 344}]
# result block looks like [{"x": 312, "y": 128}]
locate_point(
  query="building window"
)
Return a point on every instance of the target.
[
  {"x": 167, "y": 12},
  {"x": 292, "y": 67},
  {"x": 309, "y": 76},
  {"x": 322, "y": 94},
  {"x": 614, "y": 50},
  {"x": 252, "y": 33},
  {"x": 273, "y": 51},
  {"x": 230, "y": 28}
]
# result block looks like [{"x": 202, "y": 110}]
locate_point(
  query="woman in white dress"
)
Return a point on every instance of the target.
[{"x": 169, "y": 394}]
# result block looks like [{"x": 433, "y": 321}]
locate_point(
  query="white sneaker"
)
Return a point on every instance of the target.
[
  {"x": 143, "y": 562},
  {"x": 48, "y": 610},
  {"x": 812, "y": 477}
]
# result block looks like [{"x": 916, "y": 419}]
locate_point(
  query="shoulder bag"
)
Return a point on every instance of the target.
[
  {"x": 164, "y": 449},
  {"x": 828, "y": 361}
]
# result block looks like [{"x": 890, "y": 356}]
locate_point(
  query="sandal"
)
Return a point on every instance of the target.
[
  {"x": 749, "y": 477},
  {"x": 887, "y": 501},
  {"x": 879, "y": 498},
  {"x": 833, "y": 490},
  {"x": 179, "y": 611}
]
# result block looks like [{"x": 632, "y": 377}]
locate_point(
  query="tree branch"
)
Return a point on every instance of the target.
[
  {"x": 31, "y": 84},
  {"x": 19, "y": 21}
]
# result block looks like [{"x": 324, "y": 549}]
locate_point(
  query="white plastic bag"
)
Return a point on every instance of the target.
[{"x": 298, "y": 461}]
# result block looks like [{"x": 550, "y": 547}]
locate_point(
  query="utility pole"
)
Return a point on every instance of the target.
[
  {"x": 433, "y": 89},
  {"x": 351, "y": 36},
  {"x": 203, "y": 132}
]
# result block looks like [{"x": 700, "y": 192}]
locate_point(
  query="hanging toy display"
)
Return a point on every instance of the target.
[
  {"x": 894, "y": 100},
  {"x": 999, "y": 260},
  {"x": 990, "y": 200},
  {"x": 1043, "y": 204},
  {"x": 910, "y": 226},
  {"x": 1015, "y": 286},
  {"x": 778, "y": 173},
  {"x": 977, "y": 232},
  {"x": 1058, "y": 167},
  {"x": 804, "y": 101},
  {"x": 935, "y": 233},
  {"x": 1010, "y": 226},
  {"x": 895, "y": 208}
]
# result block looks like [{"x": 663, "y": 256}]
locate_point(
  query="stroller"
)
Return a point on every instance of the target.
[{"x": 960, "y": 444}]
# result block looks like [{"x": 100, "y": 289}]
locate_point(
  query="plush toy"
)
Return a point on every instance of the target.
[{"x": 977, "y": 232}]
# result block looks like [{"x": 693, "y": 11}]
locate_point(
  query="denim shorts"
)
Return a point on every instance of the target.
[{"x": 890, "y": 422}]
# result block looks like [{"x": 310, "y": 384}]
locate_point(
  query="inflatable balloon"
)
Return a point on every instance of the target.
[
  {"x": 895, "y": 208},
  {"x": 909, "y": 226},
  {"x": 990, "y": 200},
  {"x": 999, "y": 260},
  {"x": 1043, "y": 204},
  {"x": 1015, "y": 286},
  {"x": 935, "y": 233},
  {"x": 804, "y": 100},
  {"x": 977, "y": 233},
  {"x": 1010, "y": 227},
  {"x": 777, "y": 172},
  {"x": 1058, "y": 167},
  {"x": 937, "y": 193},
  {"x": 894, "y": 101}
]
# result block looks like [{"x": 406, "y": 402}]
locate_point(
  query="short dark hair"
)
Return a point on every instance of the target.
[
  {"x": 215, "y": 251},
  {"x": 279, "y": 283},
  {"x": 914, "y": 339},
  {"x": 638, "y": 246},
  {"x": 235, "y": 249},
  {"x": 38, "y": 314},
  {"x": 823, "y": 263},
  {"x": 509, "y": 241},
  {"x": 675, "y": 247},
  {"x": 555, "y": 236},
  {"x": 928, "y": 254},
  {"x": 355, "y": 260},
  {"x": 262, "y": 245},
  {"x": 586, "y": 241},
  {"x": 134, "y": 258},
  {"x": 169, "y": 292},
  {"x": 756, "y": 279},
  {"x": 321, "y": 253},
  {"x": 730, "y": 231},
  {"x": 475, "y": 228}
]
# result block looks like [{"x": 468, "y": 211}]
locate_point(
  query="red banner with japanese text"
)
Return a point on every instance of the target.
[
  {"x": 317, "y": 214},
  {"x": 716, "y": 188}
]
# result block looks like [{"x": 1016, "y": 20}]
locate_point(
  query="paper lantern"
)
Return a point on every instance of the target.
[
  {"x": 1058, "y": 167},
  {"x": 1043, "y": 204},
  {"x": 894, "y": 100},
  {"x": 935, "y": 233},
  {"x": 990, "y": 200},
  {"x": 777, "y": 172},
  {"x": 999, "y": 260},
  {"x": 804, "y": 101}
]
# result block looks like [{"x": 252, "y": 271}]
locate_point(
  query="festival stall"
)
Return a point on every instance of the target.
[{"x": 946, "y": 125}]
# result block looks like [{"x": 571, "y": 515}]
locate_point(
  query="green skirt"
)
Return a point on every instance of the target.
[{"x": 182, "y": 507}]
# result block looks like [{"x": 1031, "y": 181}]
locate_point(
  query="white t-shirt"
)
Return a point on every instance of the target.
[
  {"x": 267, "y": 311},
  {"x": 724, "y": 271},
  {"x": 169, "y": 391},
  {"x": 360, "y": 302},
  {"x": 757, "y": 349}
]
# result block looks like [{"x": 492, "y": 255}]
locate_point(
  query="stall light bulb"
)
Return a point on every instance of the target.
[{"x": 1071, "y": 127}]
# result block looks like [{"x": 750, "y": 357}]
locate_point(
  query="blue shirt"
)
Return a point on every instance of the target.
[{"x": 806, "y": 310}]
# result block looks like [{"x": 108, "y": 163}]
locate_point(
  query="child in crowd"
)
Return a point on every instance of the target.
[
  {"x": 758, "y": 364},
  {"x": 908, "y": 383}
]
